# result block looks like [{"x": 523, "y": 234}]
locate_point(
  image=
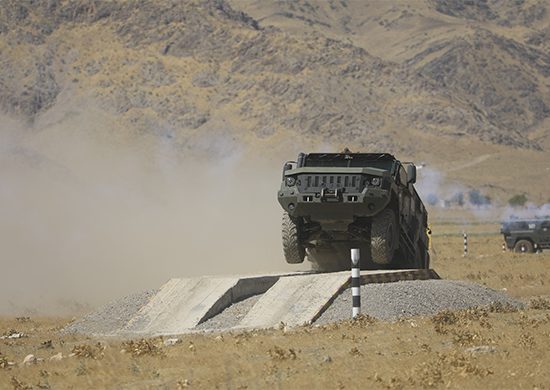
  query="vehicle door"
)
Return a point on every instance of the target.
[
  {"x": 404, "y": 197},
  {"x": 545, "y": 233}
]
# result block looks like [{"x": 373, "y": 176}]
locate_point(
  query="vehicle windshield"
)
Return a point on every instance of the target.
[
  {"x": 520, "y": 225},
  {"x": 359, "y": 160}
]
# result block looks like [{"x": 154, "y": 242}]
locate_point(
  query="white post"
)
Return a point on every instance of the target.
[{"x": 355, "y": 283}]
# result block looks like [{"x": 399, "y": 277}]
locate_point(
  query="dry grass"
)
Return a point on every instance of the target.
[
  {"x": 142, "y": 347},
  {"x": 491, "y": 347},
  {"x": 522, "y": 275}
]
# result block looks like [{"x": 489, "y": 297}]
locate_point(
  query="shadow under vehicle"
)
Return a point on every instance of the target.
[
  {"x": 336, "y": 201},
  {"x": 526, "y": 235}
]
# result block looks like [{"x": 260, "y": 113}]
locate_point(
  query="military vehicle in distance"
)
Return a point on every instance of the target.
[
  {"x": 526, "y": 235},
  {"x": 337, "y": 201}
]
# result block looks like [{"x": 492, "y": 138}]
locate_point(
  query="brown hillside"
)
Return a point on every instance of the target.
[{"x": 440, "y": 81}]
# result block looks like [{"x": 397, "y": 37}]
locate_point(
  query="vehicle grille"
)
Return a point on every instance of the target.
[{"x": 316, "y": 182}]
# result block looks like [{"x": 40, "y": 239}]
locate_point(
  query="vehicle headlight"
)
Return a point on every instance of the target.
[
  {"x": 290, "y": 181},
  {"x": 375, "y": 181}
]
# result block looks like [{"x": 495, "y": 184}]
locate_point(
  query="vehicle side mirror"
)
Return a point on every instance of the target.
[
  {"x": 301, "y": 159},
  {"x": 411, "y": 173},
  {"x": 288, "y": 166}
]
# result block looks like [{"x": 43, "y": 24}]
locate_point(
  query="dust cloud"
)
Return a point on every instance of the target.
[
  {"x": 527, "y": 211},
  {"x": 434, "y": 186},
  {"x": 87, "y": 216}
]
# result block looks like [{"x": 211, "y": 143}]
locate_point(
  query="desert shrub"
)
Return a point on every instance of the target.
[
  {"x": 3, "y": 361},
  {"x": 458, "y": 198},
  {"x": 499, "y": 307},
  {"x": 445, "y": 317},
  {"x": 88, "y": 351},
  {"x": 517, "y": 200},
  {"x": 432, "y": 199},
  {"x": 478, "y": 199},
  {"x": 539, "y": 304},
  {"x": 278, "y": 353},
  {"x": 141, "y": 348}
]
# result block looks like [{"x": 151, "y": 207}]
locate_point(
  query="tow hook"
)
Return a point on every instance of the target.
[{"x": 328, "y": 195}]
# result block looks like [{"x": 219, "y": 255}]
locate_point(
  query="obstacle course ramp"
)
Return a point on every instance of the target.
[
  {"x": 301, "y": 299},
  {"x": 182, "y": 304},
  {"x": 295, "y": 300}
]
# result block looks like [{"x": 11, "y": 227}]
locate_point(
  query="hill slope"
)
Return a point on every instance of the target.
[{"x": 441, "y": 81}]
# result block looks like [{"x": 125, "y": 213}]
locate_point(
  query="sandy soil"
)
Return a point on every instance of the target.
[{"x": 493, "y": 347}]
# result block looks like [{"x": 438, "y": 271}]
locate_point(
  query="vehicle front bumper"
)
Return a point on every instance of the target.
[{"x": 346, "y": 206}]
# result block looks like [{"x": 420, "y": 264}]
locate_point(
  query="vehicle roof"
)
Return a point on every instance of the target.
[
  {"x": 362, "y": 156},
  {"x": 527, "y": 220}
]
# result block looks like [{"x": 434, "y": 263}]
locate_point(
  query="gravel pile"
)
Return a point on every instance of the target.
[
  {"x": 391, "y": 301},
  {"x": 111, "y": 317},
  {"x": 231, "y": 316},
  {"x": 388, "y": 301},
  {"x": 385, "y": 301}
]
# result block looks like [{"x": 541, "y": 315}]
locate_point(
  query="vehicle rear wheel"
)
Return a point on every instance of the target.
[
  {"x": 524, "y": 246},
  {"x": 384, "y": 237},
  {"x": 293, "y": 250}
]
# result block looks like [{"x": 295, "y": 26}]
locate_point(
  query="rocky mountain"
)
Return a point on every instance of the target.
[
  {"x": 483, "y": 64},
  {"x": 428, "y": 79}
]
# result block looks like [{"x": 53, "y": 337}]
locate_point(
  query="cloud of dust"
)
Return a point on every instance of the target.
[
  {"x": 85, "y": 218},
  {"x": 529, "y": 210},
  {"x": 437, "y": 190},
  {"x": 433, "y": 186}
]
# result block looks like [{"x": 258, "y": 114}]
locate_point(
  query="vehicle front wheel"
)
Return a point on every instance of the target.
[
  {"x": 384, "y": 237},
  {"x": 293, "y": 250},
  {"x": 524, "y": 246}
]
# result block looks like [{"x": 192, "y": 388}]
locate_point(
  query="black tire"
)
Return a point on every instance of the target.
[
  {"x": 293, "y": 250},
  {"x": 384, "y": 237},
  {"x": 524, "y": 246}
]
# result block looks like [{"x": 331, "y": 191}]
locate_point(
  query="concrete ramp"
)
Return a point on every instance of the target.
[
  {"x": 295, "y": 300},
  {"x": 299, "y": 299},
  {"x": 182, "y": 304}
]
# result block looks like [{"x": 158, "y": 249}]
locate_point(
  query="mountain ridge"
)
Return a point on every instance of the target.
[{"x": 371, "y": 75}]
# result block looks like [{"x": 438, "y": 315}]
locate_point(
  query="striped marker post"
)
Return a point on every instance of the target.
[
  {"x": 355, "y": 283},
  {"x": 465, "y": 244}
]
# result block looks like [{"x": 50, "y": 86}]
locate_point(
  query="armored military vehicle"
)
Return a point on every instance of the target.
[
  {"x": 336, "y": 201},
  {"x": 526, "y": 235}
]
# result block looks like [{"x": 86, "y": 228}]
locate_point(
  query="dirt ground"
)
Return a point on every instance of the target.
[{"x": 494, "y": 347}]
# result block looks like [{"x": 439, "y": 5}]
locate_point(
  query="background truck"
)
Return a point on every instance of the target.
[
  {"x": 335, "y": 201},
  {"x": 526, "y": 235}
]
